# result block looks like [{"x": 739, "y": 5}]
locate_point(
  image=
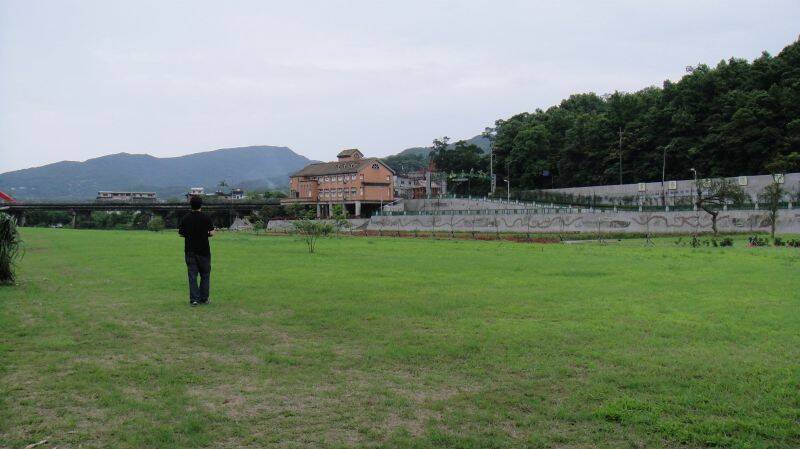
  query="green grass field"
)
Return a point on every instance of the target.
[{"x": 384, "y": 342}]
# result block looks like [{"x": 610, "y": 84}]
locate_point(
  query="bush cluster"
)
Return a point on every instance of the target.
[
  {"x": 756, "y": 241},
  {"x": 10, "y": 248}
]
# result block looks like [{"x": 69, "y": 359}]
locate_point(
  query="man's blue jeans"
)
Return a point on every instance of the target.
[{"x": 197, "y": 264}]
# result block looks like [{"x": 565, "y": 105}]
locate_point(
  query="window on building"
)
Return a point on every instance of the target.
[
  {"x": 375, "y": 166},
  {"x": 352, "y": 191}
]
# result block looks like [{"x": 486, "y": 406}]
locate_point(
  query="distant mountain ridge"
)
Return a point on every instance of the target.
[
  {"x": 254, "y": 167},
  {"x": 482, "y": 142}
]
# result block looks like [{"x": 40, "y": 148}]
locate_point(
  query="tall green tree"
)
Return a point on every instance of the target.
[{"x": 771, "y": 196}]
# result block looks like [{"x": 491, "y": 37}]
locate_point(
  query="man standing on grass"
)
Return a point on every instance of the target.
[{"x": 195, "y": 229}]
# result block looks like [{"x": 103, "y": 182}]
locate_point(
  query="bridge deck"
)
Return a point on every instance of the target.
[{"x": 122, "y": 205}]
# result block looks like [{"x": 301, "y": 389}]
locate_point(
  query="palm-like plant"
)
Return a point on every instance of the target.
[{"x": 10, "y": 248}]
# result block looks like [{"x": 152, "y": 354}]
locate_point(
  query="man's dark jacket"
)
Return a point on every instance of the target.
[{"x": 194, "y": 228}]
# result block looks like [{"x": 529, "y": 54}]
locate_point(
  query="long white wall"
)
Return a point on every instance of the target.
[{"x": 683, "y": 222}]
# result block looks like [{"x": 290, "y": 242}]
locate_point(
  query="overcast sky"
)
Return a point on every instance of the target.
[{"x": 80, "y": 79}]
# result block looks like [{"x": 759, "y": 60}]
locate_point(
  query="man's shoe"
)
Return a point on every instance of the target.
[
  {"x": 193, "y": 303},
  {"x": 206, "y": 302}
]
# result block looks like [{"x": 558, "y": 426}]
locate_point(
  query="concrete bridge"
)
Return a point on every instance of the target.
[{"x": 78, "y": 208}]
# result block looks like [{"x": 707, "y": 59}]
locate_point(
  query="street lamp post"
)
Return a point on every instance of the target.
[{"x": 508, "y": 181}]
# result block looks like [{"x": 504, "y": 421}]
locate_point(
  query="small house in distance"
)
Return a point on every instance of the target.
[
  {"x": 132, "y": 197},
  {"x": 241, "y": 224},
  {"x": 233, "y": 194},
  {"x": 425, "y": 183},
  {"x": 359, "y": 184}
]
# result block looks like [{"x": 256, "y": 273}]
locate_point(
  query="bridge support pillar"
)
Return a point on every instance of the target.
[
  {"x": 165, "y": 215},
  {"x": 83, "y": 214}
]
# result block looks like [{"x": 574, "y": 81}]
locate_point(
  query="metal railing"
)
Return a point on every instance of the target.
[{"x": 564, "y": 210}]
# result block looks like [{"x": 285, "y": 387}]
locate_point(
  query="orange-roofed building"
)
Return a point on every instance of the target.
[{"x": 360, "y": 184}]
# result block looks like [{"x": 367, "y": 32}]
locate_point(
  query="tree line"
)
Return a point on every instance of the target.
[{"x": 738, "y": 118}]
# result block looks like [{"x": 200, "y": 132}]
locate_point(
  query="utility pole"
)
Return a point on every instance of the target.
[
  {"x": 663, "y": 176},
  {"x": 620, "y": 154},
  {"x": 490, "y": 134},
  {"x": 697, "y": 209},
  {"x": 491, "y": 170}
]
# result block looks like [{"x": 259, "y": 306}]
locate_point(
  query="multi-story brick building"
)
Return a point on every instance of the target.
[{"x": 359, "y": 184}]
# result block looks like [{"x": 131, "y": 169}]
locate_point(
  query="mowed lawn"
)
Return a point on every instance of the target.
[{"x": 385, "y": 342}]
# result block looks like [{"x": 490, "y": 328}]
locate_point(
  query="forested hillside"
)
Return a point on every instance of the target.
[{"x": 736, "y": 118}]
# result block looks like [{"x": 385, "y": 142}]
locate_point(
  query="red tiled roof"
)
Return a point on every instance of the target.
[{"x": 338, "y": 168}]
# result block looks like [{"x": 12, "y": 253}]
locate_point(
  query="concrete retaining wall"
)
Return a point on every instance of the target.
[{"x": 618, "y": 222}]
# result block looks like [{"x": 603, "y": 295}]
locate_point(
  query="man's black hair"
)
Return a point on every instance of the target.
[{"x": 195, "y": 202}]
